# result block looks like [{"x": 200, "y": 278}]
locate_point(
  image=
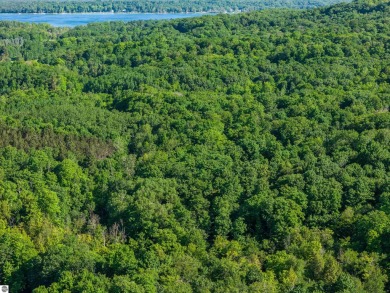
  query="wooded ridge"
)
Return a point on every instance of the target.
[{"x": 228, "y": 153}]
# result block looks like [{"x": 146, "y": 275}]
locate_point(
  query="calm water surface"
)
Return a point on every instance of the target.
[{"x": 73, "y": 19}]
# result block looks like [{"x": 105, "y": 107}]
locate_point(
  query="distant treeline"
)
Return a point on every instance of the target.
[{"x": 158, "y": 6}]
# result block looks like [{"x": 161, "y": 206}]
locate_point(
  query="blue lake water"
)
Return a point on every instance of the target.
[{"x": 74, "y": 19}]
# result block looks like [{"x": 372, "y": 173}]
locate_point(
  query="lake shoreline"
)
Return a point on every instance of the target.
[
  {"x": 67, "y": 13},
  {"x": 76, "y": 19}
]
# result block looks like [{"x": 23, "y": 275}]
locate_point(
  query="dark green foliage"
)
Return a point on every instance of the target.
[{"x": 229, "y": 153}]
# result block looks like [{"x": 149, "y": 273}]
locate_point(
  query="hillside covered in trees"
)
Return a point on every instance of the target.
[
  {"x": 230, "y": 153},
  {"x": 154, "y": 6}
]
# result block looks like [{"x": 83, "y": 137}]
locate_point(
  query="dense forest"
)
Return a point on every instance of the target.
[
  {"x": 154, "y": 6},
  {"x": 229, "y": 153}
]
